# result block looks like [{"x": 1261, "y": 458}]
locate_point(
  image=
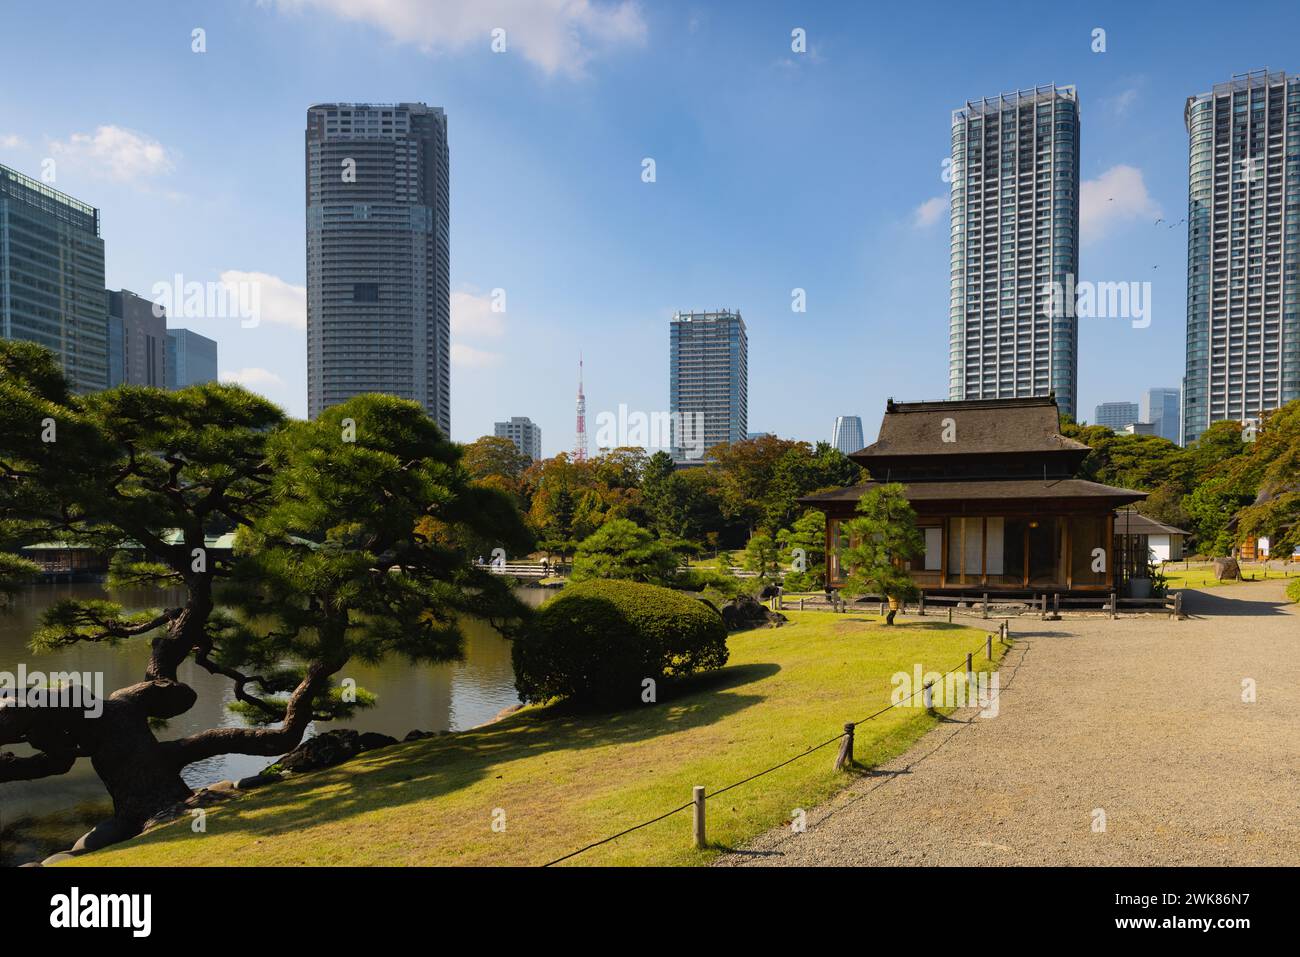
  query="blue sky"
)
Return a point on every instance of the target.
[{"x": 774, "y": 170}]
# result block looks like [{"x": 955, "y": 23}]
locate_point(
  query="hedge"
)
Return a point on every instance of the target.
[{"x": 597, "y": 641}]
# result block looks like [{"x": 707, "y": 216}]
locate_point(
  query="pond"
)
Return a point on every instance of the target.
[{"x": 448, "y": 697}]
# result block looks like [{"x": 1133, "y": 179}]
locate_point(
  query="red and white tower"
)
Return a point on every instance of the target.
[{"x": 580, "y": 440}]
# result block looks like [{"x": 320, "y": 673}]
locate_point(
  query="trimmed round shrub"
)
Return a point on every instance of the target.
[
  {"x": 1293, "y": 590},
  {"x": 597, "y": 641}
]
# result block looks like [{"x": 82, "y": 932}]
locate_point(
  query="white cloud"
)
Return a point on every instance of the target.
[
  {"x": 12, "y": 141},
  {"x": 558, "y": 36},
  {"x": 928, "y": 213},
  {"x": 1122, "y": 103},
  {"x": 279, "y": 302},
  {"x": 252, "y": 377},
  {"x": 468, "y": 357},
  {"x": 1118, "y": 195},
  {"x": 116, "y": 153},
  {"x": 472, "y": 316}
]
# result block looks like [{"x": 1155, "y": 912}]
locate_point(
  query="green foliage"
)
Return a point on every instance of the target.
[
  {"x": 16, "y": 573},
  {"x": 622, "y": 549},
  {"x": 365, "y": 551},
  {"x": 1293, "y": 590},
  {"x": 1270, "y": 466},
  {"x": 804, "y": 544},
  {"x": 878, "y": 542},
  {"x": 598, "y": 641},
  {"x": 762, "y": 555}
]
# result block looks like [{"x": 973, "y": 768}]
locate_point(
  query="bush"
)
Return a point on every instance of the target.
[
  {"x": 1293, "y": 590},
  {"x": 597, "y": 641}
]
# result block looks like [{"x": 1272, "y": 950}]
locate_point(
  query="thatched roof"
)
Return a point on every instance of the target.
[{"x": 977, "y": 427}]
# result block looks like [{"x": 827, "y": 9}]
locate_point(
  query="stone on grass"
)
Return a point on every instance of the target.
[{"x": 111, "y": 831}]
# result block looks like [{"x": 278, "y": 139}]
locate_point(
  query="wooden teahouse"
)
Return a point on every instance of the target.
[{"x": 994, "y": 488}]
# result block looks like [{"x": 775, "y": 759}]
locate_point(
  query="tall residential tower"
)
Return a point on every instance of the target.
[
  {"x": 1015, "y": 238},
  {"x": 708, "y": 381},
  {"x": 378, "y": 255},
  {"x": 1243, "y": 250}
]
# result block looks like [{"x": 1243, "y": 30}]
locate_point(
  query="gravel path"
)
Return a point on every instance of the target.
[{"x": 1142, "y": 718}]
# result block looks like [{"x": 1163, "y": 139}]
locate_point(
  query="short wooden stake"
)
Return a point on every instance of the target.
[
  {"x": 920, "y": 605},
  {"x": 986, "y": 604},
  {"x": 697, "y": 796},
  {"x": 845, "y": 758},
  {"x": 950, "y": 614},
  {"x": 801, "y": 604},
  {"x": 988, "y": 646},
  {"x": 1114, "y": 608},
  {"x": 927, "y": 696}
]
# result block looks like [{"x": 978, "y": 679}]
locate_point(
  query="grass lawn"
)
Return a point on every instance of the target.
[
  {"x": 1202, "y": 575},
  {"x": 567, "y": 780}
]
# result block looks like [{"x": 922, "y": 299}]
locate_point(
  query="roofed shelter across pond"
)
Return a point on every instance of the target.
[{"x": 993, "y": 483}]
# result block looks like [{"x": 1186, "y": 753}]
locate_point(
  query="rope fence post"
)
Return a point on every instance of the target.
[
  {"x": 845, "y": 758},
  {"x": 920, "y": 605},
  {"x": 697, "y": 798},
  {"x": 1114, "y": 608},
  {"x": 988, "y": 646},
  {"x": 950, "y": 614},
  {"x": 927, "y": 697}
]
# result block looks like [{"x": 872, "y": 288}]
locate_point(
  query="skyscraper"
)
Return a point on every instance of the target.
[
  {"x": 847, "y": 436},
  {"x": 708, "y": 381},
  {"x": 191, "y": 358},
  {"x": 52, "y": 277},
  {"x": 378, "y": 255},
  {"x": 1116, "y": 415},
  {"x": 1243, "y": 250},
  {"x": 522, "y": 431},
  {"x": 137, "y": 337},
  {"x": 1015, "y": 238},
  {"x": 1163, "y": 409}
]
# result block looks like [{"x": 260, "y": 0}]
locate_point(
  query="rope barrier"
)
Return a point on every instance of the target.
[{"x": 775, "y": 767}]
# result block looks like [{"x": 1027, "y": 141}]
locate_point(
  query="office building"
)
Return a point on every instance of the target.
[
  {"x": 521, "y": 430},
  {"x": 708, "y": 381},
  {"x": 138, "y": 339},
  {"x": 378, "y": 255},
  {"x": 1116, "y": 415},
  {"x": 847, "y": 436},
  {"x": 52, "y": 277},
  {"x": 1243, "y": 250},
  {"x": 1163, "y": 408},
  {"x": 1015, "y": 240},
  {"x": 191, "y": 358}
]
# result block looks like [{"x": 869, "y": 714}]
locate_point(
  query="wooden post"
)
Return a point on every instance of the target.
[
  {"x": 882, "y": 609},
  {"x": 920, "y": 605},
  {"x": 950, "y": 614},
  {"x": 1056, "y": 606},
  {"x": 1042, "y": 607},
  {"x": 697, "y": 796},
  {"x": 1178, "y": 605},
  {"x": 845, "y": 758},
  {"x": 986, "y": 604},
  {"x": 988, "y": 646},
  {"x": 927, "y": 696},
  {"x": 970, "y": 669},
  {"x": 1114, "y": 608},
  {"x": 801, "y": 604}
]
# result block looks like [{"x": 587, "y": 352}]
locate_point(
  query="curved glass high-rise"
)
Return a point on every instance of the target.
[
  {"x": 1243, "y": 250},
  {"x": 847, "y": 436},
  {"x": 378, "y": 255},
  {"x": 1015, "y": 238}
]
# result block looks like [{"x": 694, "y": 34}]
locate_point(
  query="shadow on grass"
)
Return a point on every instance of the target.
[{"x": 423, "y": 770}]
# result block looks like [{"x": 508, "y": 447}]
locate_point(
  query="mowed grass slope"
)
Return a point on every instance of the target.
[{"x": 563, "y": 780}]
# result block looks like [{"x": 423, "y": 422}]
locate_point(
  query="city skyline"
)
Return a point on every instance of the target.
[{"x": 860, "y": 231}]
